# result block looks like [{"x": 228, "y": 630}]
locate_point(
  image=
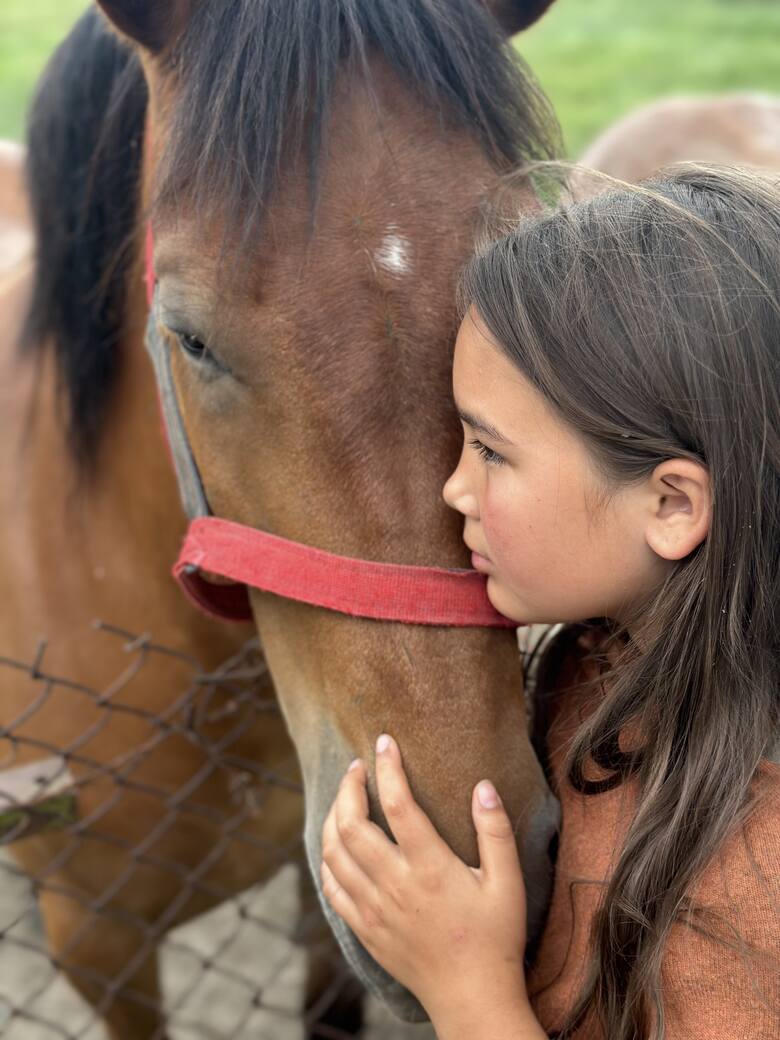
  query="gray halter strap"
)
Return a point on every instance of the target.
[{"x": 193, "y": 496}]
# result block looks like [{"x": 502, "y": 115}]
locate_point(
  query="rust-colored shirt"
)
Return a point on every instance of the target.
[{"x": 711, "y": 991}]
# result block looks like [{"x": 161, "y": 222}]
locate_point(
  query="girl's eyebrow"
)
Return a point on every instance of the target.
[{"x": 482, "y": 426}]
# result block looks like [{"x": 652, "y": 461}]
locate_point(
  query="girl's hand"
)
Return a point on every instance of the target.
[{"x": 452, "y": 934}]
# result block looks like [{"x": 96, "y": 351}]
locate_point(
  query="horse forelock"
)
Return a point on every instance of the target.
[{"x": 254, "y": 81}]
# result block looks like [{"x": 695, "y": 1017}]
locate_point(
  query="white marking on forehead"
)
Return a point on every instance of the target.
[{"x": 394, "y": 254}]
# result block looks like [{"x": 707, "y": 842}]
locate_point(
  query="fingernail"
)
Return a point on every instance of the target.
[
  {"x": 353, "y": 765},
  {"x": 487, "y": 795},
  {"x": 382, "y": 744}
]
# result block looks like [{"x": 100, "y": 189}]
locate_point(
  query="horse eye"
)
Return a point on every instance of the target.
[
  {"x": 192, "y": 345},
  {"x": 199, "y": 353}
]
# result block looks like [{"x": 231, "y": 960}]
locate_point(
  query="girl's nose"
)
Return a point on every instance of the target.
[{"x": 457, "y": 495}]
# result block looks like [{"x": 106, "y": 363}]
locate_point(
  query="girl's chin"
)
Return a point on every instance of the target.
[{"x": 504, "y": 602}]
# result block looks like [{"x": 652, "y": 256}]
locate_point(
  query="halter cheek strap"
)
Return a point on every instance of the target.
[
  {"x": 248, "y": 557},
  {"x": 193, "y": 497}
]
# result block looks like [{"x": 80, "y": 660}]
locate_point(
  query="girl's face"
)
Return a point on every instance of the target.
[{"x": 537, "y": 517}]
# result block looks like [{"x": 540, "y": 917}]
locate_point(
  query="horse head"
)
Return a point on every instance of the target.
[{"x": 316, "y": 174}]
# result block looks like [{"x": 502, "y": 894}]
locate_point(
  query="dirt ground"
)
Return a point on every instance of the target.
[{"x": 37, "y": 1003}]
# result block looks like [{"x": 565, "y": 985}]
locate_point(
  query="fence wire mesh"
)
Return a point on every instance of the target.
[{"x": 170, "y": 908}]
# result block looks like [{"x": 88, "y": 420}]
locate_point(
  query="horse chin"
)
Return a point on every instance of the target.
[{"x": 377, "y": 981}]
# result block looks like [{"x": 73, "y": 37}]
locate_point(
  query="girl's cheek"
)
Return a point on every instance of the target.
[
  {"x": 500, "y": 533},
  {"x": 487, "y": 516},
  {"x": 500, "y": 515},
  {"x": 514, "y": 538}
]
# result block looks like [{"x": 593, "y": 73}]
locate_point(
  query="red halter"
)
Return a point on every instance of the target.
[{"x": 248, "y": 557}]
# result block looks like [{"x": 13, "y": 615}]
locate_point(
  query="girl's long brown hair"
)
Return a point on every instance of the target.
[{"x": 649, "y": 318}]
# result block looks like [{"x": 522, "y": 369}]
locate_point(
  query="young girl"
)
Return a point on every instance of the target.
[{"x": 617, "y": 374}]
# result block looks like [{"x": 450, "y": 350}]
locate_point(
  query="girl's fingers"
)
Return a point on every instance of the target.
[
  {"x": 498, "y": 856},
  {"x": 363, "y": 841},
  {"x": 354, "y": 783},
  {"x": 340, "y": 899},
  {"x": 342, "y": 866},
  {"x": 411, "y": 828}
]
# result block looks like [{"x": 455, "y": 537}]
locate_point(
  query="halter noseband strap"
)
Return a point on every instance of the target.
[{"x": 248, "y": 557}]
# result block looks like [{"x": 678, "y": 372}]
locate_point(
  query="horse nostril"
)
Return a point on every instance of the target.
[{"x": 552, "y": 848}]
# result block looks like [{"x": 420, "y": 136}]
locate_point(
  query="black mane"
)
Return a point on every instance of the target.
[
  {"x": 255, "y": 79},
  {"x": 84, "y": 137}
]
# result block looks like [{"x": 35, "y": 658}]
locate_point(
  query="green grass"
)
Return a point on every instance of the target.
[
  {"x": 29, "y": 32},
  {"x": 597, "y": 59}
]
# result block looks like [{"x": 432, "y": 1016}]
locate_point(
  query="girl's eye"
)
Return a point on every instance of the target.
[{"x": 491, "y": 457}]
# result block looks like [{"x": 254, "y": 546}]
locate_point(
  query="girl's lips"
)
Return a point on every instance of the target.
[{"x": 480, "y": 563}]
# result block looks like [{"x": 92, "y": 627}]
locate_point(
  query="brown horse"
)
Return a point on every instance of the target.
[
  {"x": 732, "y": 128},
  {"x": 316, "y": 173}
]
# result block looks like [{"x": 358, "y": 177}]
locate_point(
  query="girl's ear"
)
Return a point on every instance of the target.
[
  {"x": 680, "y": 508},
  {"x": 515, "y": 15},
  {"x": 154, "y": 24}
]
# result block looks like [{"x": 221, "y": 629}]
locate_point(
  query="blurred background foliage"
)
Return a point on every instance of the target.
[{"x": 597, "y": 59}]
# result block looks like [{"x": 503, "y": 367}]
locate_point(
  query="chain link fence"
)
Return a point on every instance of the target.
[{"x": 96, "y": 905}]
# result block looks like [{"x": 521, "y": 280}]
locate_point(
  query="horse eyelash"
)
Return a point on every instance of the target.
[{"x": 492, "y": 458}]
